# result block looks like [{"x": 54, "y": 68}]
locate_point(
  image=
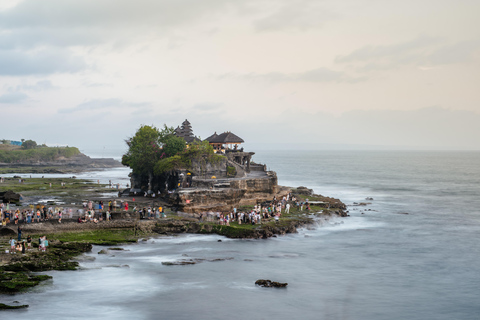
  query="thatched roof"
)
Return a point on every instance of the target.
[{"x": 225, "y": 138}]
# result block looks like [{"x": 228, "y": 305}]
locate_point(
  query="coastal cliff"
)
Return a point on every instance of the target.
[{"x": 77, "y": 163}]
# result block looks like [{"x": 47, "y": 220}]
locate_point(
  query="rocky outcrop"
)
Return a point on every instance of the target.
[
  {"x": 270, "y": 284},
  {"x": 9, "y": 197},
  {"x": 225, "y": 194},
  {"x": 80, "y": 161}
]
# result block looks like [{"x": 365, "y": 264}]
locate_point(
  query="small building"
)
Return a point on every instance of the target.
[
  {"x": 224, "y": 142},
  {"x": 16, "y": 143}
]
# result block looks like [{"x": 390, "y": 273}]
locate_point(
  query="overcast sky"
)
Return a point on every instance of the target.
[{"x": 290, "y": 73}]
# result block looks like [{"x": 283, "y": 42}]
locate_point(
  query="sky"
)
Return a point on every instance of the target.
[{"x": 281, "y": 74}]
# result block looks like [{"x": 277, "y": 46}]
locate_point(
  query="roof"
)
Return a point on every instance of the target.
[
  {"x": 212, "y": 137},
  {"x": 226, "y": 137}
]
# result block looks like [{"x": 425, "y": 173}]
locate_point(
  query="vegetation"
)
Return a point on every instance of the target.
[
  {"x": 148, "y": 146},
  {"x": 29, "y": 144},
  {"x": 38, "y": 154},
  {"x": 199, "y": 151},
  {"x": 152, "y": 151}
]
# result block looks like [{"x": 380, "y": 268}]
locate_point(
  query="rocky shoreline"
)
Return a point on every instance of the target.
[{"x": 76, "y": 164}]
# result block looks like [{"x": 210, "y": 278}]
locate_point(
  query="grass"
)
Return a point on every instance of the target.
[{"x": 98, "y": 237}]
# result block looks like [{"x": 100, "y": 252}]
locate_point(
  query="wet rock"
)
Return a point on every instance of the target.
[
  {"x": 9, "y": 196},
  {"x": 4, "y": 231},
  {"x": 303, "y": 191},
  {"x": 103, "y": 251},
  {"x": 178, "y": 263},
  {"x": 6, "y": 306},
  {"x": 116, "y": 249},
  {"x": 402, "y": 212},
  {"x": 270, "y": 284}
]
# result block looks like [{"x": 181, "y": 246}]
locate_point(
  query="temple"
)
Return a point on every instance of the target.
[
  {"x": 186, "y": 132},
  {"x": 226, "y": 144}
]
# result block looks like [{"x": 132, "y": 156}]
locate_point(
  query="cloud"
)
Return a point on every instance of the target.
[
  {"x": 42, "y": 85},
  {"x": 207, "y": 107},
  {"x": 315, "y": 75},
  {"x": 78, "y": 22},
  {"x": 13, "y": 97},
  {"x": 101, "y": 105},
  {"x": 301, "y": 15},
  {"x": 423, "y": 52},
  {"x": 41, "y": 62}
]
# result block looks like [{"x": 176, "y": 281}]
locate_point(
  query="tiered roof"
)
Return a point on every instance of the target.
[{"x": 186, "y": 132}]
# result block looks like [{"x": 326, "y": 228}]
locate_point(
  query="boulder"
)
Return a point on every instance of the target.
[
  {"x": 9, "y": 196},
  {"x": 270, "y": 284}
]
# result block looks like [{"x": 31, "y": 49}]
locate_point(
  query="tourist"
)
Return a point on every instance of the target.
[
  {"x": 19, "y": 230},
  {"x": 29, "y": 242},
  {"x": 287, "y": 208},
  {"x": 12, "y": 245},
  {"x": 60, "y": 217},
  {"x": 45, "y": 244},
  {"x": 23, "y": 247}
]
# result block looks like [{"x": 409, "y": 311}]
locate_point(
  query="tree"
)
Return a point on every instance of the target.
[
  {"x": 29, "y": 144},
  {"x": 148, "y": 146},
  {"x": 143, "y": 151},
  {"x": 173, "y": 145}
]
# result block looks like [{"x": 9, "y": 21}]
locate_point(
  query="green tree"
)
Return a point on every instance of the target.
[
  {"x": 148, "y": 146},
  {"x": 143, "y": 151},
  {"x": 29, "y": 144},
  {"x": 172, "y": 145}
]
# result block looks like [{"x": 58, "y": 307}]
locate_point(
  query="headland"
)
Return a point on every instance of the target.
[{"x": 204, "y": 187}]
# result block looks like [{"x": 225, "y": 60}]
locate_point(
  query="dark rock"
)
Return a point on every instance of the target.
[
  {"x": 4, "y": 231},
  {"x": 270, "y": 284},
  {"x": 9, "y": 196},
  {"x": 103, "y": 251},
  {"x": 6, "y": 306},
  {"x": 116, "y": 249},
  {"x": 303, "y": 191},
  {"x": 178, "y": 263}
]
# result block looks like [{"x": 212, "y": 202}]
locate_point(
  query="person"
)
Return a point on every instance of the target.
[
  {"x": 29, "y": 242},
  {"x": 287, "y": 208},
  {"x": 12, "y": 245},
  {"x": 45, "y": 244},
  {"x": 19, "y": 230},
  {"x": 60, "y": 217},
  {"x": 23, "y": 247}
]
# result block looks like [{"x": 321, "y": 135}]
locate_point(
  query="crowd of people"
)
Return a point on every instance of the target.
[
  {"x": 25, "y": 245},
  {"x": 261, "y": 212}
]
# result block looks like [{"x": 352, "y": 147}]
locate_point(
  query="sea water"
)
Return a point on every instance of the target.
[{"x": 413, "y": 253}]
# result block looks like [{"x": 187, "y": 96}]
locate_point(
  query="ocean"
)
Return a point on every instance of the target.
[{"x": 412, "y": 253}]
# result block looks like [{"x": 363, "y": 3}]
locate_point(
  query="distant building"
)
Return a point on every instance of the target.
[
  {"x": 16, "y": 143},
  {"x": 186, "y": 132}
]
